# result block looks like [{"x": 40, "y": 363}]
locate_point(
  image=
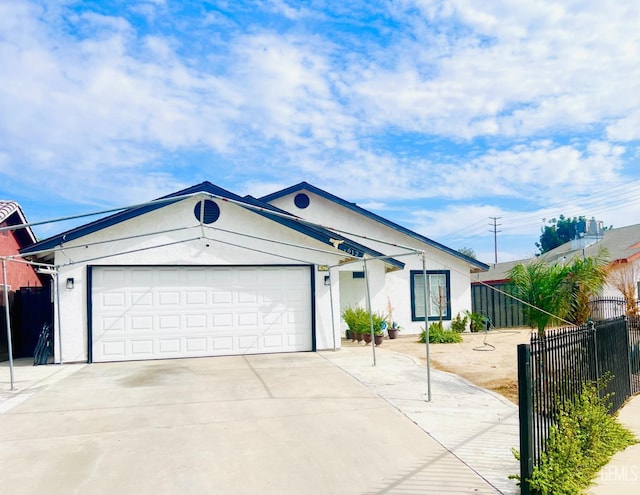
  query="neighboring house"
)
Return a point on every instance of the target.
[
  {"x": 18, "y": 275},
  {"x": 622, "y": 248},
  {"x": 205, "y": 272},
  {"x": 11, "y": 241}
]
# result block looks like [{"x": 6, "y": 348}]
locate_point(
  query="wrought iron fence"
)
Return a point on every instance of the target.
[
  {"x": 606, "y": 308},
  {"x": 634, "y": 353},
  {"x": 552, "y": 370}
]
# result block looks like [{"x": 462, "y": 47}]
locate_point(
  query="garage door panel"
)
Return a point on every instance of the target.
[
  {"x": 113, "y": 348},
  {"x": 196, "y": 322},
  {"x": 273, "y": 341},
  {"x": 142, "y": 323},
  {"x": 222, "y": 320},
  {"x": 196, "y": 298},
  {"x": 169, "y": 298},
  {"x": 196, "y": 344},
  {"x": 140, "y": 347},
  {"x": 141, "y": 298},
  {"x": 114, "y": 300},
  {"x": 222, "y": 344},
  {"x": 222, "y": 297},
  {"x": 247, "y": 319},
  {"x": 156, "y": 312}
]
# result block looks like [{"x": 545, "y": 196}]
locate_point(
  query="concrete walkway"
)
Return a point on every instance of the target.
[
  {"x": 475, "y": 425},
  {"x": 622, "y": 475}
]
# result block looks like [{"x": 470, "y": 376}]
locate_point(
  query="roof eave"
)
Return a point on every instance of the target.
[{"x": 474, "y": 265}]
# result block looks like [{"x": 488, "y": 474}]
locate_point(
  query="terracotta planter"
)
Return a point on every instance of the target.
[
  {"x": 393, "y": 333},
  {"x": 367, "y": 338},
  {"x": 379, "y": 339},
  {"x": 359, "y": 337}
]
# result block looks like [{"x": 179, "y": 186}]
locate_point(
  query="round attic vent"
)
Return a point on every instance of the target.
[
  {"x": 301, "y": 201},
  {"x": 211, "y": 211}
]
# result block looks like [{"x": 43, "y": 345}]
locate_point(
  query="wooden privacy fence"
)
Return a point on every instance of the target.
[{"x": 503, "y": 311}]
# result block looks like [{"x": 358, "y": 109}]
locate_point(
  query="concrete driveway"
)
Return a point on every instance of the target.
[{"x": 288, "y": 423}]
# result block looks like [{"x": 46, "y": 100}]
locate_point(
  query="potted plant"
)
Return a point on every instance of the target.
[
  {"x": 357, "y": 320},
  {"x": 392, "y": 327},
  {"x": 477, "y": 322},
  {"x": 393, "y": 330},
  {"x": 378, "y": 328}
]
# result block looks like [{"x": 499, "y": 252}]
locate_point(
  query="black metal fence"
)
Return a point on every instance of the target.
[
  {"x": 553, "y": 369},
  {"x": 606, "y": 308}
]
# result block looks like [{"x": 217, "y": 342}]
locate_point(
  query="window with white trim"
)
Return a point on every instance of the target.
[{"x": 438, "y": 295}]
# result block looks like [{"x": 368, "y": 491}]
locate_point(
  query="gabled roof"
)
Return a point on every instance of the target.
[
  {"x": 11, "y": 213},
  {"x": 499, "y": 272},
  {"x": 305, "y": 186},
  {"x": 353, "y": 249},
  {"x": 622, "y": 245}
]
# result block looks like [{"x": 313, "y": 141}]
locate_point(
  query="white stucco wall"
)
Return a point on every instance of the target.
[
  {"x": 178, "y": 239},
  {"x": 396, "y": 288}
]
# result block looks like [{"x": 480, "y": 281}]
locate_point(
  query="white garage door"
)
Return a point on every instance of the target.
[{"x": 165, "y": 312}]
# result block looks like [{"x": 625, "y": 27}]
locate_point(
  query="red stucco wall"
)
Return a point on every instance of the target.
[{"x": 18, "y": 274}]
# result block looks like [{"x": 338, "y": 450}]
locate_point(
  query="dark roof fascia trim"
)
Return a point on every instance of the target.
[
  {"x": 103, "y": 223},
  {"x": 25, "y": 236},
  {"x": 90, "y": 228},
  {"x": 323, "y": 235},
  {"x": 354, "y": 207}
]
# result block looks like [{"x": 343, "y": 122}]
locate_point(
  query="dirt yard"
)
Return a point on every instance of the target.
[{"x": 486, "y": 359}]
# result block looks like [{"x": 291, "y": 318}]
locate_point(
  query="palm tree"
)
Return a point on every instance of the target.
[
  {"x": 544, "y": 287},
  {"x": 586, "y": 277},
  {"x": 559, "y": 292}
]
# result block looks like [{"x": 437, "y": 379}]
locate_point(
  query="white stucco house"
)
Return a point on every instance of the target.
[{"x": 205, "y": 272}]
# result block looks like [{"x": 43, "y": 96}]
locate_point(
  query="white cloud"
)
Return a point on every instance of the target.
[
  {"x": 522, "y": 70},
  {"x": 104, "y": 106}
]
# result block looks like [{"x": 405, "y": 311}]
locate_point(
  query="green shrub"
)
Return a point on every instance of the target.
[
  {"x": 579, "y": 445},
  {"x": 459, "y": 323},
  {"x": 438, "y": 335},
  {"x": 358, "y": 320},
  {"x": 476, "y": 321}
]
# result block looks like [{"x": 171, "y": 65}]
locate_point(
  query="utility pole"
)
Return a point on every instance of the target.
[{"x": 495, "y": 231}]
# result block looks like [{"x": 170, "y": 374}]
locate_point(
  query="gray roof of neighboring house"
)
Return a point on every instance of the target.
[
  {"x": 498, "y": 272},
  {"x": 622, "y": 245},
  {"x": 11, "y": 213}
]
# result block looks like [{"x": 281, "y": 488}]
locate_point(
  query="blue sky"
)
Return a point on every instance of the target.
[{"x": 437, "y": 115}]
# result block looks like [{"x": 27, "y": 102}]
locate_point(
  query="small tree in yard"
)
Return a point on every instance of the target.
[
  {"x": 624, "y": 277},
  {"x": 545, "y": 288},
  {"x": 561, "y": 291}
]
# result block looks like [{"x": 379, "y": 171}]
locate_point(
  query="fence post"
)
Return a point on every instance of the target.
[{"x": 525, "y": 410}]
